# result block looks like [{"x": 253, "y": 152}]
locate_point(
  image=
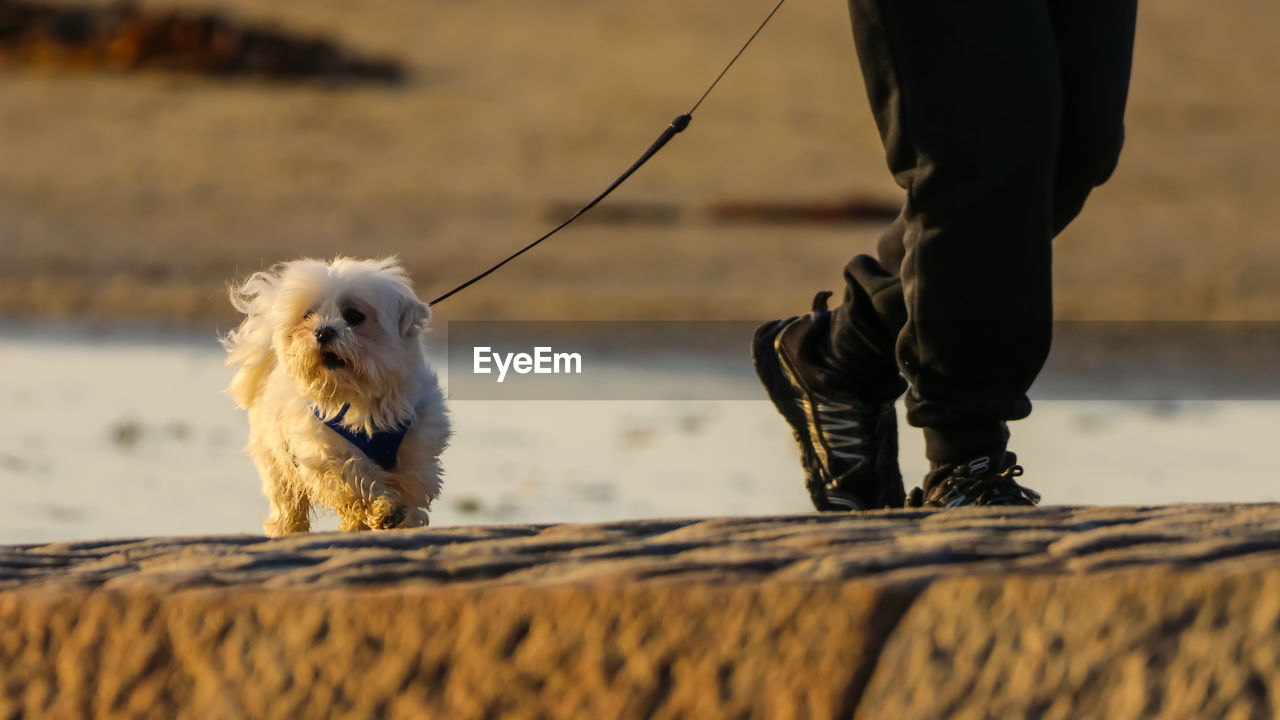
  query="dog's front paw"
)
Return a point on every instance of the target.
[{"x": 386, "y": 513}]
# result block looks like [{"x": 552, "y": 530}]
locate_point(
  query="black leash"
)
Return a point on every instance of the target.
[{"x": 678, "y": 125}]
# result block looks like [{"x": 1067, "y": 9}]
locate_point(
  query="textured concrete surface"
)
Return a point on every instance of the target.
[
  {"x": 692, "y": 651},
  {"x": 1133, "y": 645},
  {"x": 1054, "y": 612}
]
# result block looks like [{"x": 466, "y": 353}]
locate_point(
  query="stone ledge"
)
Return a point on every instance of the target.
[
  {"x": 1128, "y": 644},
  {"x": 1055, "y": 612},
  {"x": 888, "y": 546}
]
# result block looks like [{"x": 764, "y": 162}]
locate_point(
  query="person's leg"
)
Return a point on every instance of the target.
[
  {"x": 1095, "y": 42},
  {"x": 967, "y": 101},
  {"x": 864, "y": 328},
  {"x": 995, "y": 70}
]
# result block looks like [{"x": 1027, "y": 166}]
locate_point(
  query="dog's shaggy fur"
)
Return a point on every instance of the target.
[{"x": 319, "y": 337}]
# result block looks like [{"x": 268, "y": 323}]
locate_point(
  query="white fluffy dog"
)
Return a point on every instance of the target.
[{"x": 344, "y": 412}]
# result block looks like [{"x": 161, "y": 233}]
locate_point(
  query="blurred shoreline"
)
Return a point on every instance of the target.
[{"x": 130, "y": 432}]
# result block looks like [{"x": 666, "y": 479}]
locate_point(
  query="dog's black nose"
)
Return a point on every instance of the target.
[{"x": 325, "y": 335}]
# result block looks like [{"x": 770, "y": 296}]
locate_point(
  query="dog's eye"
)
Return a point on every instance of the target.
[
  {"x": 353, "y": 316},
  {"x": 309, "y": 314}
]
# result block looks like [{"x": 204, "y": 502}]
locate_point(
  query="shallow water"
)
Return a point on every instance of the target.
[{"x": 129, "y": 434}]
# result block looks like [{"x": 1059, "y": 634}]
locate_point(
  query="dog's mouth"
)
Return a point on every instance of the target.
[{"x": 331, "y": 361}]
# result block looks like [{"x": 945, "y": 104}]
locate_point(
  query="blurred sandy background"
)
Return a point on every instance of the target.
[{"x": 139, "y": 196}]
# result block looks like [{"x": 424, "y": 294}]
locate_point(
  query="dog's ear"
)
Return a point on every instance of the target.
[
  {"x": 249, "y": 346},
  {"x": 413, "y": 316}
]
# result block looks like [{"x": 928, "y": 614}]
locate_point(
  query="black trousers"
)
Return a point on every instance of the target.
[{"x": 998, "y": 117}]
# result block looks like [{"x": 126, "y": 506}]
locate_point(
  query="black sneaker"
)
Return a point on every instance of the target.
[
  {"x": 849, "y": 447},
  {"x": 975, "y": 483}
]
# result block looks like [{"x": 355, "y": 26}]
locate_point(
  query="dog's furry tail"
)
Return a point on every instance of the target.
[{"x": 249, "y": 346}]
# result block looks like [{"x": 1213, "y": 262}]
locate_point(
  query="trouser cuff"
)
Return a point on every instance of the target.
[{"x": 856, "y": 372}]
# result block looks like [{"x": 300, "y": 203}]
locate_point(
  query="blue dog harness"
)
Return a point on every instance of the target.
[{"x": 380, "y": 447}]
